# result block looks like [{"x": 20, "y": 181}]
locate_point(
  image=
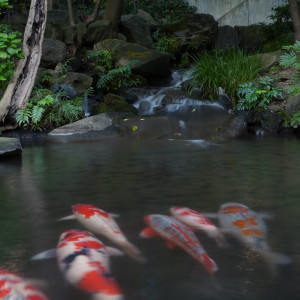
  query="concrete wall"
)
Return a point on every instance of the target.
[{"x": 237, "y": 12}]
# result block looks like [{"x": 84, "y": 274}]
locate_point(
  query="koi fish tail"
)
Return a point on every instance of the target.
[
  {"x": 273, "y": 259},
  {"x": 132, "y": 251},
  {"x": 208, "y": 264}
]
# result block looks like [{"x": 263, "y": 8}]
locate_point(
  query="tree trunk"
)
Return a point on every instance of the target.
[
  {"x": 76, "y": 42},
  {"x": 113, "y": 12},
  {"x": 19, "y": 88},
  {"x": 294, "y": 11}
]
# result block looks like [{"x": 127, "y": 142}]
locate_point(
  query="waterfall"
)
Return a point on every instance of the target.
[{"x": 152, "y": 101}]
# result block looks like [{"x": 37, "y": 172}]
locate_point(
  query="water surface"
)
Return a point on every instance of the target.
[{"x": 136, "y": 178}]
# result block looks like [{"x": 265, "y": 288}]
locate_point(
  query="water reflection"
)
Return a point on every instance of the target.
[{"x": 134, "y": 179}]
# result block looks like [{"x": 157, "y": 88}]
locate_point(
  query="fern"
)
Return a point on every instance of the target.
[
  {"x": 288, "y": 59},
  {"x": 70, "y": 112},
  {"x": 37, "y": 114},
  {"x": 23, "y": 116},
  {"x": 295, "y": 119},
  {"x": 88, "y": 93}
]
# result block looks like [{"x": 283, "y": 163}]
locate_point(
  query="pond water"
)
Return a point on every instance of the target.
[{"x": 137, "y": 178}]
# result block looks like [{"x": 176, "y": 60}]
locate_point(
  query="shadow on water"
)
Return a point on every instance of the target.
[{"x": 136, "y": 178}]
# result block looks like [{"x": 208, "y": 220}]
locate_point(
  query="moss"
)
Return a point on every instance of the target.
[
  {"x": 118, "y": 104},
  {"x": 136, "y": 55},
  {"x": 102, "y": 108}
]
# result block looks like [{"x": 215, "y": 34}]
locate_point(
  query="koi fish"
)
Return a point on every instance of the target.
[
  {"x": 100, "y": 222},
  {"x": 178, "y": 234},
  {"x": 251, "y": 230},
  {"x": 84, "y": 262},
  {"x": 13, "y": 287},
  {"x": 197, "y": 221}
]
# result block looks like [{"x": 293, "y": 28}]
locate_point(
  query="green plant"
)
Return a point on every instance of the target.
[
  {"x": 295, "y": 119},
  {"x": 227, "y": 69},
  {"x": 103, "y": 58},
  {"x": 168, "y": 44},
  {"x": 118, "y": 78},
  {"x": 47, "y": 109},
  {"x": 257, "y": 96},
  {"x": 10, "y": 51}
]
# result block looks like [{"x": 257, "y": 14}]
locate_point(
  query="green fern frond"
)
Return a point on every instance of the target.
[
  {"x": 37, "y": 114},
  {"x": 23, "y": 116}
]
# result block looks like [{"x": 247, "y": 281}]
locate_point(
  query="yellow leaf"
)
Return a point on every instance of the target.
[{"x": 134, "y": 128}]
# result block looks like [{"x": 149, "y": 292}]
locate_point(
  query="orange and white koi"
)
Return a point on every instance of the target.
[
  {"x": 178, "y": 234},
  {"x": 197, "y": 221},
  {"x": 100, "y": 222},
  {"x": 84, "y": 261},
  {"x": 251, "y": 230},
  {"x": 14, "y": 287}
]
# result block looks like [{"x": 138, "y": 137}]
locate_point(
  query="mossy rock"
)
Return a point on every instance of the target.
[
  {"x": 115, "y": 103},
  {"x": 150, "y": 63}
]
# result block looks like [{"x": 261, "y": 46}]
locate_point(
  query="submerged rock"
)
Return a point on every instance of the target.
[
  {"x": 10, "y": 147},
  {"x": 90, "y": 128}
]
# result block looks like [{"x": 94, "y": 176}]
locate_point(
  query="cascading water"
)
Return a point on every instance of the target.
[{"x": 154, "y": 100}]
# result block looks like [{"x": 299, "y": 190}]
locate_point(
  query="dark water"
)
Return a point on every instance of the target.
[{"x": 134, "y": 179}]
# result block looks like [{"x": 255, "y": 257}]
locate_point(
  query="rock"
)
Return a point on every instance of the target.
[
  {"x": 53, "y": 52},
  {"x": 136, "y": 30},
  {"x": 235, "y": 128},
  {"x": 270, "y": 121},
  {"x": 10, "y": 147},
  {"x": 90, "y": 128},
  {"x": 146, "y": 16},
  {"x": 64, "y": 88},
  {"x": 54, "y": 31},
  {"x": 77, "y": 81},
  {"x": 204, "y": 29},
  {"x": 251, "y": 37},
  {"x": 293, "y": 105},
  {"x": 14, "y": 19},
  {"x": 269, "y": 59},
  {"x": 115, "y": 103},
  {"x": 223, "y": 99},
  {"x": 99, "y": 30},
  {"x": 151, "y": 63},
  {"x": 227, "y": 38},
  {"x": 60, "y": 17}
]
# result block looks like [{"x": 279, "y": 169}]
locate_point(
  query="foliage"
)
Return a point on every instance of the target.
[
  {"x": 226, "y": 69},
  {"x": 168, "y": 44},
  {"x": 295, "y": 119},
  {"x": 118, "y": 78},
  {"x": 291, "y": 59},
  {"x": 103, "y": 58},
  {"x": 47, "y": 109},
  {"x": 10, "y": 51},
  {"x": 4, "y": 5},
  {"x": 257, "y": 96}
]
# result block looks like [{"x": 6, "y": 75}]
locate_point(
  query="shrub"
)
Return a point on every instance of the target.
[
  {"x": 257, "y": 96},
  {"x": 47, "y": 109},
  {"x": 226, "y": 69}
]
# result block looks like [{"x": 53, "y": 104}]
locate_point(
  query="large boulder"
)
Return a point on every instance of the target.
[
  {"x": 136, "y": 30},
  {"x": 292, "y": 105},
  {"x": 77, "y": 81},
  {"x": 91, "y": 128},
  {"x": 251, "y": 37},
  {"x": 150, "y": 63},
  {"x": 227, "y": 38},
  {"x": 10, "y": 147},
  {"x": 269, "y": 59},
  {"x": 99, "y": 30},
  {"x": 53, "y": 52}
]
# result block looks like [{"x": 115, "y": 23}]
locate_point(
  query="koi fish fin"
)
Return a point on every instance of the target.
[
  {"x": 39, "y": 283},
  {"x": 114, "y": 215},
  {"x": 171, "y": 245},
  {"x": 273, "y": 259},
  {"x": 114, "y": 251},
  {"x": 45, "y": 255},
  {"x": 208, "y": 264},
  {"x": 148, "y": 232},
  {"x": 221, "y": 240},
  {"x": 132, "y": 251},
  {"x": 210, "y": 215},
  {"x": 72, "y": 217}
]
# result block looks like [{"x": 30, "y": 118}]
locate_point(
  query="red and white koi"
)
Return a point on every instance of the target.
[
  {"x": 178, "y": 234},
  {"x": 251, "y": 230},
  {"x": 14, "y": 287},
  {"x": 84, "y": 261},
  {"x": 100, "y": 222},
  {"x": 197, "y": 221}
]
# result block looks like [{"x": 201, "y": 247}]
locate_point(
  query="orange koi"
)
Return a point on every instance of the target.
[{"x": 178, "y": 234}]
